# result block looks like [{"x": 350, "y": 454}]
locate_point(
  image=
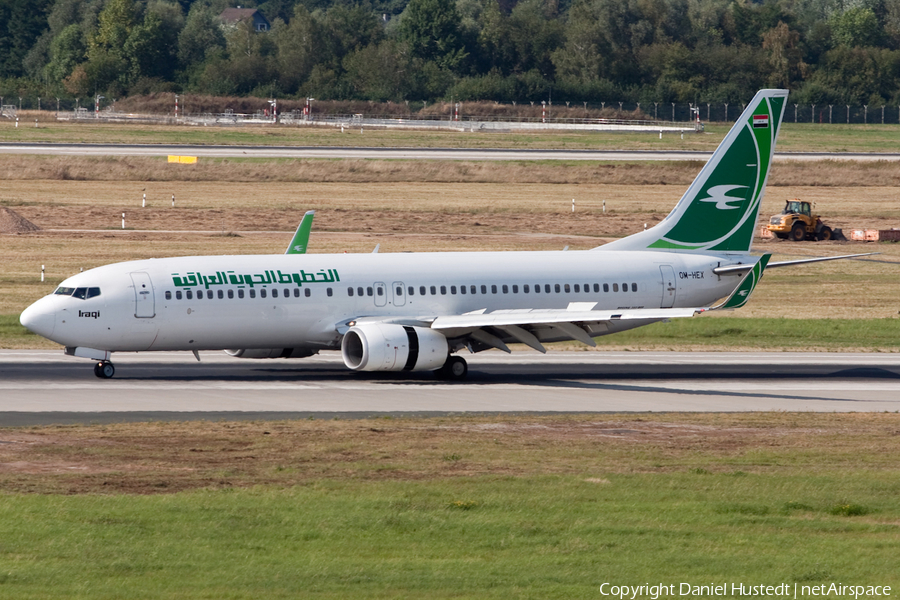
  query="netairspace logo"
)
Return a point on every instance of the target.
[{"x": 736, "y": 590}]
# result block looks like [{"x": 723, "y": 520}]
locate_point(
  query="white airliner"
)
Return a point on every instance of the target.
[{"x": 416, "y": 311}]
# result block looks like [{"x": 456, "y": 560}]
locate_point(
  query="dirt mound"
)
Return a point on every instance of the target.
[{"x": 13, "y": 222}]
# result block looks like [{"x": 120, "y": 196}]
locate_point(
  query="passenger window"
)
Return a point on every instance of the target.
[
  {"x": 484, "y": 289},
  {"x": 505, "y": 289},
  {"x": 189, "y": 294},
  {"x": 274, "y": 292},
  {"x": 252, "y": 293},
  {"x": 567, "y": 288},
  {"x": 433, "y": 291},
  {"x": 633, "y": 287},
  {"x": 80, "y": 293},
  {"x": 399, "y": 290},
  {"x": 369, "y": 291},
  {"x": 547, "y": 288},
  {"x": 168, "y": 295},
  {"x": 350, "y": 291},
  {"x": 462, "y": 289},
  {"x": 577, "y": 288},
  {"x": 221, "y": 294},
  {"x": 359, "y": 292},
  {"x": 240, "y": 293},
  {"x": 307, "y": 292},
  {"x": 287, "y": 293},
  {"x": 453, "y": 289},
  {"x": 410, "y": 291},
  {"x": 209, "y": 294},
  {"x": 93, "y": 292},
  {"x": 615, "y": 287},
  {"x": 556, "y": 287},
  {"x": 605, "y": 287},
  {"x": 537, "y": 288},
  {"x": 296, "y": 292},
  {"x": 230, "y": 294},
  {"x": 493, "y": 289},
  {"x": 443, "y": 290},
  {"x": 378, "y": 290},
  {"x": 262, "y": 293},
  {"x": 596, "y": 287},
  {"x": 624, "y": 287},
  {"x": 329, "y": 292},
  {"x": 421, "y": 290},
  {"x": 178, "y": 294},
  {"x": 525, "y": 289}
]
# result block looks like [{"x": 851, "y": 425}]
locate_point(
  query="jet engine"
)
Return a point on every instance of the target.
[
  {"x": 271, "y": 352},
  {"x": 388, "y": 347}
]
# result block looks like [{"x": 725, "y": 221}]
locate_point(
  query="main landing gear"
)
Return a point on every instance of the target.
[
  {"x": 455, "y": 369},
  {"x": 104, "y": 370}
]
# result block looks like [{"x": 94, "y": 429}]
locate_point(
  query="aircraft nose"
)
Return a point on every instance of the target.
[{"x": 38, "y": 319}]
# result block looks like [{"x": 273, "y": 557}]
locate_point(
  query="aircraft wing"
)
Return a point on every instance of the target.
[
  {"x": 301, "y": 236},
  {"x": 530, "y": 327}
]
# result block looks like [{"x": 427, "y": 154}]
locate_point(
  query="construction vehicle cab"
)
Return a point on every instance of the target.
[{"x": 796, "y": 222}]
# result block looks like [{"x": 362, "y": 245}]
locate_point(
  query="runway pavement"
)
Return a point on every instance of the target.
[
  {"x": 401, "y": 153},
  {"x": 42, "y": 387}
]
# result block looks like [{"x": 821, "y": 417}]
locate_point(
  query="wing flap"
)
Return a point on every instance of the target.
[{"x": 536, "y": 317}]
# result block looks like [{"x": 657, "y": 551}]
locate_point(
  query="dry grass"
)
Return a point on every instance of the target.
[
  {"x": 382, "y": 208},
  {"x": 170, "y": 457},
  {"x": 144, "y": 169}
]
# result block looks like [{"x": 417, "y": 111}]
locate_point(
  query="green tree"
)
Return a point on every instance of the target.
[
  {"x": 201, "y": 36},
  {"x": 431, "y": 30},
  {"x": 857, "y": 26}
]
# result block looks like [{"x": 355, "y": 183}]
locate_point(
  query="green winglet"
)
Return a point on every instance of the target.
[
  {"x": 301, "y": 237},
  {"x": 741, "y": 293}
]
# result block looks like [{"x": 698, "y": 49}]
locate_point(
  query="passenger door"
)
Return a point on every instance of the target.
[
  {"x": 668, "y": 286},
  {"x": 144, "y": 300}
]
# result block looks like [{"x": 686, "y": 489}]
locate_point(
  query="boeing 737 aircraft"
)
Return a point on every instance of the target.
[{"x": 415, "y": 312}]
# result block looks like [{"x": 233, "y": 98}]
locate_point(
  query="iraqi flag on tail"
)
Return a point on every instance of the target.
[{"x": 760, "y": 121}]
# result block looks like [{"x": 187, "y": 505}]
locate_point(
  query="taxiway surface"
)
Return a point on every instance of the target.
[{"x": 41, "y": 387}]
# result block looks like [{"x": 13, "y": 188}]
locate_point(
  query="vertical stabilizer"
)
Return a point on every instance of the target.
[{"x": 720, "y": 209}]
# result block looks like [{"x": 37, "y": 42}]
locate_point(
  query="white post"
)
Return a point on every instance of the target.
[
  {"x": 173, "y": 200},
  {"x": 144, "y": 201},
  {"x": 123, "y": 220},
  {"x": 604, "y": 207},
  {"x": 42, "y": 273},
  {"x": 573, "y": 204}
]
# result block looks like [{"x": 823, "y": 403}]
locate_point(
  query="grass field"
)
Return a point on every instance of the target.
[
  {"x": 462, "y": 507},
  {"x": 796, "y": 137}
]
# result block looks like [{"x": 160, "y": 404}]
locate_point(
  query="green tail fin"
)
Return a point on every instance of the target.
[
  {"x": 741, "y": 293},
  {"x": 301, "y": 236},
  {"x": 720, "y": 209}
]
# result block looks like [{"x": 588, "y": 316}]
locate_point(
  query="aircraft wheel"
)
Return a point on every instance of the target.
[
  {"x": 104, "y": 370},
  {"x": 798, "y": 231},
  {"x": 455, "y": 369}
]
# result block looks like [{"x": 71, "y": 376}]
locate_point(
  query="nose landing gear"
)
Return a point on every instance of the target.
[{"x": 104, "y": 370}]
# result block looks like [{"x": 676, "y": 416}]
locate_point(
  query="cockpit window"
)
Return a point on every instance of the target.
[{"x": 81, "y": 293}]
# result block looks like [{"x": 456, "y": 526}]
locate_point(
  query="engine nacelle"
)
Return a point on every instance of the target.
[
  {"x": 271, "y": 352},
  {"x": 387, "y": 347}
]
